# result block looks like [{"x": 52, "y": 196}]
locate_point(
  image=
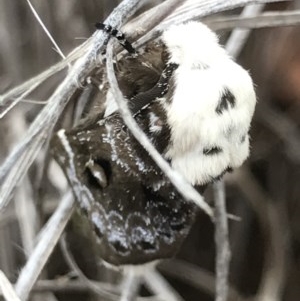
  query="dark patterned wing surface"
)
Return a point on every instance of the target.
[{"x": 135, "y": 212}]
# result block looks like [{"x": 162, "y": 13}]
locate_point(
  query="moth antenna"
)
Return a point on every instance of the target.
[{"x": 114, "y": 32}]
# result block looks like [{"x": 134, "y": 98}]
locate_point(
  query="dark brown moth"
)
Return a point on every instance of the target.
[
  {"x": 195, "y": 104},
  {"x": 135, "y": 212}
]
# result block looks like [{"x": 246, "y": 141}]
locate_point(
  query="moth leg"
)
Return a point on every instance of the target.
[{"x": 161, "y": 88}]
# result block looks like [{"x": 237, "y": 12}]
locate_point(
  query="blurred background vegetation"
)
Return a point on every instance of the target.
[{"x": 265, "y": 192}]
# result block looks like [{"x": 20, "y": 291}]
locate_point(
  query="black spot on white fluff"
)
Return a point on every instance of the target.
[{"x": 227, "y": 101}]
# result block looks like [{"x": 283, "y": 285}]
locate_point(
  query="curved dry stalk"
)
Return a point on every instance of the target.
[
  {"x": 27, "y": 216},
  {"x": 104, "y": 290},
  {"x": 186, "y": 189},
  {"x": 221, "y": 242}
]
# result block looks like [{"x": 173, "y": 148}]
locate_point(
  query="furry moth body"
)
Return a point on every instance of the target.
[
  {"x": 195, "y": 104},
  {"x": 211, "y": 107}
]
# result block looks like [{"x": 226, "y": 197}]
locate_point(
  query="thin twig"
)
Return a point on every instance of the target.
[
  {"x": 238, "y": 37},
  {"x": 222, "y": 242},
  {"x": 45, "y": 29},
  {"x": 7, "y": 289},
  {"x": 186, "y": 190},
  {"x": 104, "y": 290},
  {"x": 159, "y": 286},
  {"x": 48, "y": 238},
  {"x": 130, "y": 286},
  {"x": 27, "y": 215},
  {"x": 267, "y": 19},
  {"x": 25, "y": 209},
  {"x": 63, "y": 285}
]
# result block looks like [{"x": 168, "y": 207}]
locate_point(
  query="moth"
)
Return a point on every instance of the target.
[{"x": 195, "y": 104}]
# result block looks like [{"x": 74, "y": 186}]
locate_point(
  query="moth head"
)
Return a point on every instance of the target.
[{"x": 192, "y": 44}]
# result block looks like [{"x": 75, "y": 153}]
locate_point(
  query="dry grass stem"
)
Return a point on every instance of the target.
[
  {"x": 7, "y": 289},
  {"x": 160, "y": 287},
  {"x": 47, "y": 240},
  {"x": 221, "y": 242},
  {"x": 238, "y": 37},
  {"x": 130, "y": 285},
  {"x": 266, "y": 19},
  {"x": 45, "y": 29}
]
